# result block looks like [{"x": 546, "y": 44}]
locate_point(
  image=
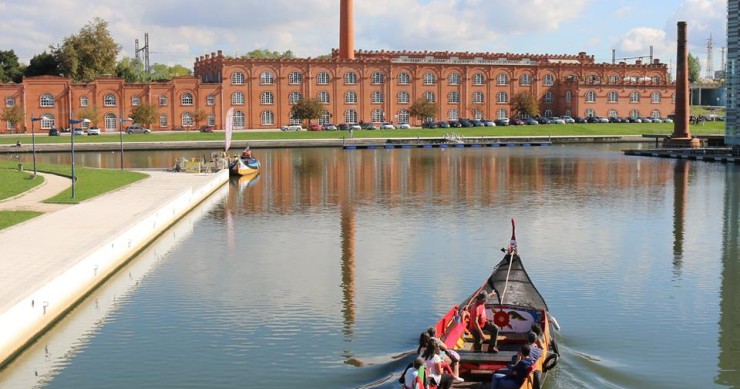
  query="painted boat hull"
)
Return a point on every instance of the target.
[{"x": 244, "y": 167}]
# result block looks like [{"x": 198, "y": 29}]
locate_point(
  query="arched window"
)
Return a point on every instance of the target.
[
  {"x": 525, "y": 80},
  {"x": 613, "y": 79},
  {"x": 548, "y": 97},
  {"x": 237, "y": 98},
  {"x": 110, "y": 122},
  {"x": 350, "y": 98},
  {"x": 453, "y": 114},
  {"x": 590, "y": 113},
  {"x": 655, "y": 114},
  {"x": 294, "y": 97},
  {"x": 239, "y": 120},
  {"x": 325, "y": 118},
  {"x": 237, "y": 78},
  {"x": 634, "y": 97},
  {"x": 501, "y": 114},
  {"x": 403, "y": 116},
  {"x": 429, "y": 79},
  {"x": 478, "y": 79},
  {"x": 211, "y": 100},
  {"x": 656, "y": 97},
  {"x": 163, "y": 100},
  {"x": 47, "y": 100},
  {"x": 47, "y": 121},
  {"x": 568, "y": 96},
  {"x": 612, "y": 97},
  {"x": 350, "y": 116},
  {"x": 109, "y": 100},
  {"x": 9, "y": 102},
  {"x": 323, "y": 97},
  {"x": 634, "y": 113},
  {"x": 478, "y": 98},
  {"x": 376, "y": 116},
  {"x": 350, "y": 78},
  {"x": 186, "y": 99},
  {"x": 502, "y": 97},
  {"x": 547, "y": 113},
  {"x": 377, "y": 78},
  {"x": 187, "y": 119},
  {"x": 502, "y": 79},
  {"x": 267, "y": 98},
  {"x": 162, "y": 120},
  {"x": 549, "y": 79},
  {"x": 453, "y": 97},
  {"x": 84, "y": 101},
  {"x": 322, "y": 78},
  {"x": 404, "y": 97},
  {"x": 404, "y": 78},
  {"x": 477, "y": 114},
  {"x": 135, "y": 100},
  {"x": 612, "y": 113},
  {"x": 453, "y": 79},
  {"x": 267, "y": 118},
  {"x": 267, "y": 78},
  {"x": 655, "y": 80},
  {"x": 429, "y": 96},
  {"x": 211, "y": 121},
  {"x": 295, "y": 78},
  {"x": 590, "y": 96},
  {"x": 377, "y": 97}
]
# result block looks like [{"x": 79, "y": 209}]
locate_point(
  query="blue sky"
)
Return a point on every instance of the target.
[{"x": 180, "y": 30}]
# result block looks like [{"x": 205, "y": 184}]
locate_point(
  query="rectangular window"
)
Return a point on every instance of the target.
[{"x": 163, "y": 120}]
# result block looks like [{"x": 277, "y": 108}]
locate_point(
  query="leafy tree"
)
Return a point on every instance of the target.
[
  {"x": 267, "y": 54},
  {"x": 422, "y": 109},
  {"x": 199, "y": 115},
  {"x": 91, "y": 112},
  {"x": 161, "y": 72},
  {"x": 13, "y": 115},
  {"x": 88, "y": 54},
  {"x": 524, "y": 104},
  {"x": 694, "y": 69},
  {"x": 129, "y": 70},
  {"x": 144, "y": 114},
  {"x": 307, "y": 109},
  {"x": 43, "y": 64},
  {"x": 10, "y": 68}
]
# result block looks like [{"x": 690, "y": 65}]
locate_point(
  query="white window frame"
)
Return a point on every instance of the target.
[
  {"x": 237, "y": 98},
  {"x": 267, "y": 118},
  {"x": 322, "y": 78},
  {"x": 404, "y": 97},
  {"x": 429, "y": 79},
  {"x": 323, "y": 97},
  {"x": 110, "y": 100},
  {"x": 453, "y": 79},
  {"x": 295, "y": 78},
  {"x": 404, "y": 78},
  {"x": 267, "y": 78},
  {"x": 430, "y": 97},
  {"x": 453, "y": 97},
  {"x": 478, "y": 98},
  {"x": 377, "y": 97},
  {"x": 479, "y": 79},
  {"x": 46, "y": 100},
  {"x": 502, "y": 98},
  {"x": 294, "y": 97},
  {"x": 377, "y": 78},
  {"x": 237, "y": 78},
  {"x": 350, "y": 97},
  {"x": 548, "y": 80},
  {"x": 267, "y": 98},
  {"x": 350, "y": 78},
  {"x": 186, "y": 99},
  {"x": 186, "y": 119}
]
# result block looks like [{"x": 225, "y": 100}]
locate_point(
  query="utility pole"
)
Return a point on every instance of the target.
[{"x": 710, "y": 66}]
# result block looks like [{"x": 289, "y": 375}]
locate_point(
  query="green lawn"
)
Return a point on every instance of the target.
[
  {"x": 709, "y": 128},
  {"x": 15, "y": 182},
  {"x": 9, "y": 218}
]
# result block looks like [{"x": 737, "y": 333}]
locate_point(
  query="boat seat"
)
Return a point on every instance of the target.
[{"x": 502, "y": 356}]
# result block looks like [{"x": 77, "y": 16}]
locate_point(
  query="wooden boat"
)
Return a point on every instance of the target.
[
  {"x": 514, "y": 305},
  {"x": 244, "y": 166}
]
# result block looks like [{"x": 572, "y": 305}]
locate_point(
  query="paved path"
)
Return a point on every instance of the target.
[{"x": 32, "y": 199}]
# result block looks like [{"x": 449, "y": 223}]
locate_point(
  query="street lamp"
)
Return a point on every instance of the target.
[
  {"x": 74, "y": 178},
  {"x": 33, "y": 140},
  {"x": 121, "y": 120}
]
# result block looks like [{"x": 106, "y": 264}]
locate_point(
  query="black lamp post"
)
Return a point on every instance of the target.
[
  {"x": 74, "y": 178},
  {"x": 121, "y": 120},
  {"x": 33, "y": 141}
]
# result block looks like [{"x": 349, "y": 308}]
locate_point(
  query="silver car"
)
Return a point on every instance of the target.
[{"x": 137, "y": 129}]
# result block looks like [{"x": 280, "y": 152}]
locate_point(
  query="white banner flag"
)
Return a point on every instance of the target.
[{"x": 228, "y": 127}]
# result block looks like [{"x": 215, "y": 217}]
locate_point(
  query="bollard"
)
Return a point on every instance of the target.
[{"x": 20, "y": 167}]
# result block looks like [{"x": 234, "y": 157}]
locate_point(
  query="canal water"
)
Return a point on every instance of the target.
[{"x": 322, "y": 272}]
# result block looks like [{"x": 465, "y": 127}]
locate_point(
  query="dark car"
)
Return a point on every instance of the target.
[
  {"x": 368, "y": 126},
  {"x": 531, "y": 121},
  {"x": 429, "y": 125},
  {"x": 343, "y": 127},
  {"x": 454, "y": 124},
  {"x": 543, "y": 120},
  {"x": 502, "y": 122},
  {"x": 477, "y": 123},
  {"x": 53, "y": 132},
  {"x": 465, "y": 123},
  {"x": 207, "y": 128},
  {"x": 517, "y": 122},
  {"x": 329, "y": 127},
  {"x": 443, "y": 125},
  {"x": 579, "y": 119}
]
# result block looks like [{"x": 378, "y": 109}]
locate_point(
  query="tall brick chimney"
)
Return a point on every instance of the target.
[
  {"x": 681, "y": 122},
  {"x": 346, "y": 30}
]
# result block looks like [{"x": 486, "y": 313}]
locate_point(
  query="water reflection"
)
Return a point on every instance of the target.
[{"x": 680, "y": 186}]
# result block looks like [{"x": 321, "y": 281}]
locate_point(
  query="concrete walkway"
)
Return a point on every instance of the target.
[
  {"x": 53, "y": 260},
  {"x": 32, "y": 200}
]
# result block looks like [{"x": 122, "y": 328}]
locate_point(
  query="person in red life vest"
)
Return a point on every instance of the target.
[{"x": 478, "y": 324}]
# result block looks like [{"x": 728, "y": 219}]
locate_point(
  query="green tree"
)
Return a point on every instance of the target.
[
  {"x": 307, "y": 109},
  {"x": 10, "y": 68},
  {"x": 199, "y": 115},
  {"x": 423, "y": 109},
  {"x": 694, "y": 69},
  {"x": 13, "y": 115},
  {"x": 43, "y": 64},
  {"x": 144, "y": 114},
  {"x": 267, "y": 54},
  {"x": 524, "y": 104},
  {"x": 88, "y": 54},
  {"x": 128, "y": 69},
  {"x": 91, "y": 112}
]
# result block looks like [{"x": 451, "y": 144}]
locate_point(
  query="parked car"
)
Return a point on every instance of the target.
[
  {"x": 635, "y": 120},
  {"x": 329, "y": 127},
  {"x": 137, "y": 129},
  {"x": 531, "y": 121},
  {"x": 293, "y": 127},
  {"x": 517, "y": 122},
  {"x": 556, "y": 120},
  {"x": 502, "y": 122},
  {"x": 404, "y": 125},
  {"x": 477, "y": 123},
  {"x": 387, "y": 126},
  {"x": 355, "y": 126},
  {"x": 429, "y": 124},
  {"x": 314, "y": 127},
  {"x": 657, "y": 120},
  {"x": 93, "y": 131},
  {"x": 53, "y": 132},
  {"x": 667, "y": 120},
  {"x": 454, "y": 124},
  {"x": 465, "y": 123},
  {"x": 368, "y": 126},
  {"x": 489, "y": 123},
  {"x": 343, "y": 127},
  {"x": 579, "y": 119},
  {"x": 568, "y": 119},
  {"x": 443, "y": 125},
  {"x": 78, "y": 131},
  {"x": 207, "y": 128},
  {"x": 592, "y": 119},
  {"x": 646, "y": 120}
]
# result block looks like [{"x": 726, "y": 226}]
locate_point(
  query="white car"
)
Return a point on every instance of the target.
[
  {"x": 296, "y": 127},
  {"x": 93, "y": 131},
  {"x": 568, "y": 119},
  {"x": 387, "y": 126},
  {"x": 556, "y": 120},
  {"x": 355, "y": 126},
  {"x": 404, "y": 125},
  {"x": 77, "y": 131}
]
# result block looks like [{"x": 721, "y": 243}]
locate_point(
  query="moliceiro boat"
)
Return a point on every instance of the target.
[{"x": 508, "y": 299}]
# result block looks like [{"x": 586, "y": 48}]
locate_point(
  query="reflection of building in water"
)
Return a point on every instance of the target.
[
  {"x": 680, "y": 187},
  {"x": 729, "y": 331},
  {"x": 348, "y": 260}
]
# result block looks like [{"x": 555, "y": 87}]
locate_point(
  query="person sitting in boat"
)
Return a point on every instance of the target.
[
  {"x": 433, "y": 364},
  {"x": 450, "y": 364},
  {"x": 411, "y": 378},
  {"x": 515, "y": 378},
  {"x": 247, "y": 153},
  {"x": 478, "y": 324}
]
